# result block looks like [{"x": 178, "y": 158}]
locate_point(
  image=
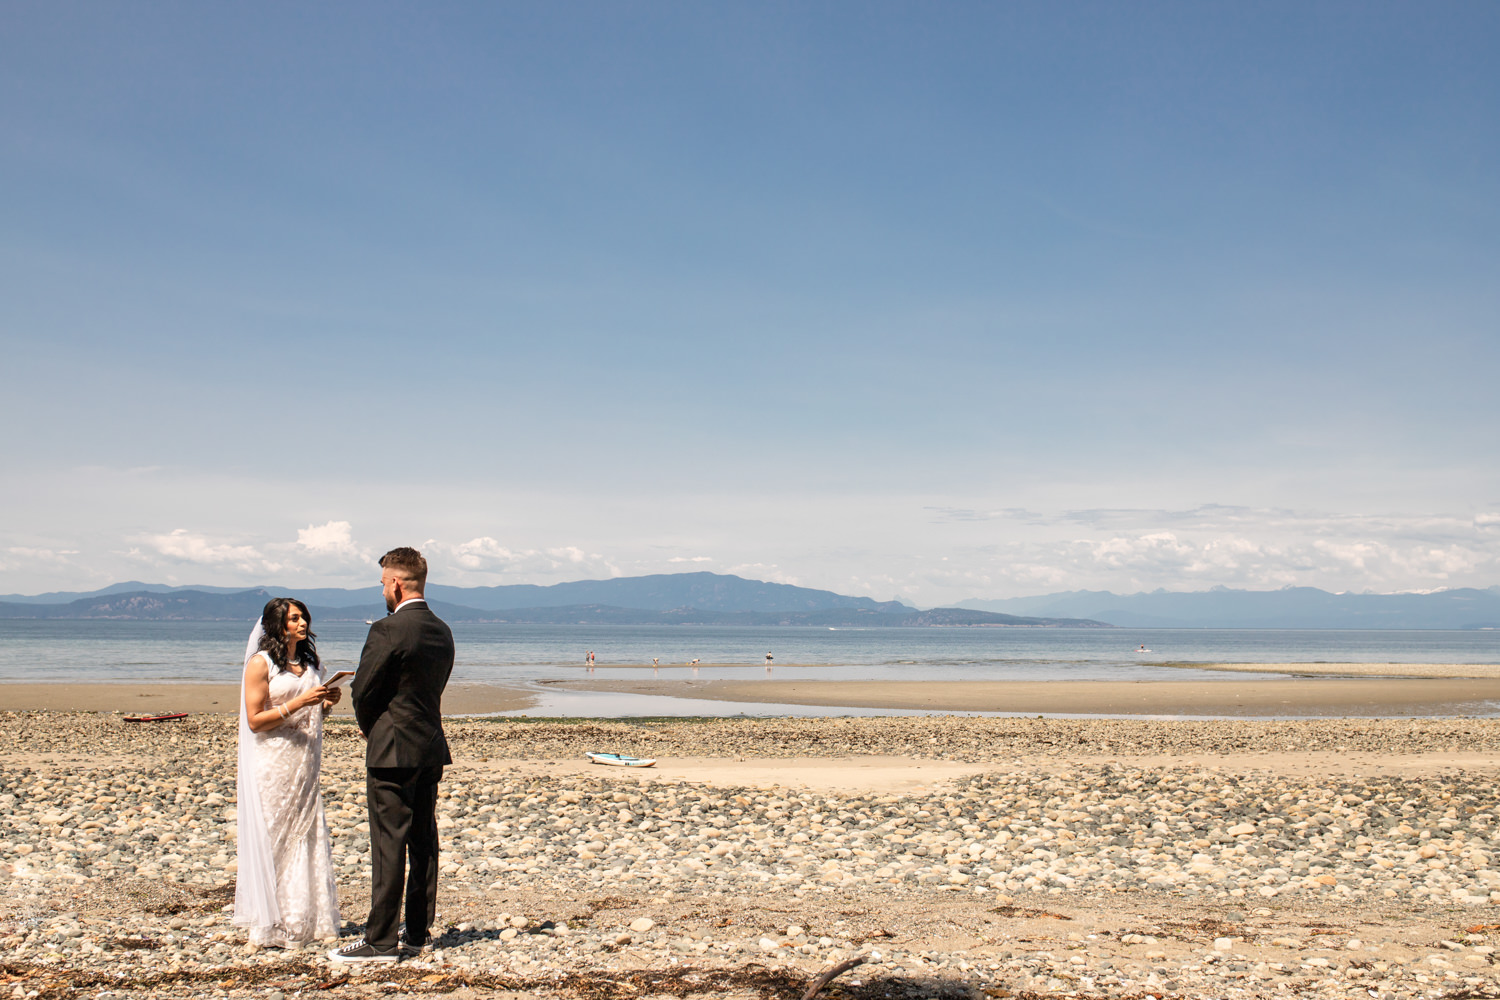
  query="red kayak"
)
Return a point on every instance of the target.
[{"x": 163, "y": 717}]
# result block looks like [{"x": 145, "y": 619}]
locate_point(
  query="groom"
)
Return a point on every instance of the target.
[{"x": 398, "y": 694}]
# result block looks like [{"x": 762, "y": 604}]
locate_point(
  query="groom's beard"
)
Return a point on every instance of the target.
[{"x": 390, "y": 604}]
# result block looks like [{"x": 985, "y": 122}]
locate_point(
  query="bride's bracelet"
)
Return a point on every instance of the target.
[{"x": 284, "y": 713}]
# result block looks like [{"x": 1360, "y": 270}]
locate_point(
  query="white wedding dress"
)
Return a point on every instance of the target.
[{"x": 285, "y": 892}]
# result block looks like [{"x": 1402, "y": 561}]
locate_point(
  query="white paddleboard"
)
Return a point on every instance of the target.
[{"x": 621, "y": 760}]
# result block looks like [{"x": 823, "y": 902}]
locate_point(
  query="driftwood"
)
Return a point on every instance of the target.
[{"x": 829, "y": 975}]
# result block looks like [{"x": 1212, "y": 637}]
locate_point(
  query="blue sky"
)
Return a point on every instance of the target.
[{"x": 944, "y": 301}]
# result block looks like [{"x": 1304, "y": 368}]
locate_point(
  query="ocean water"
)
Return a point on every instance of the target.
[{"x": 529, "y": 655}]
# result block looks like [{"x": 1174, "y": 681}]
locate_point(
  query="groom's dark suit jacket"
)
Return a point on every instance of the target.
[{"x": 398, "y": 690}]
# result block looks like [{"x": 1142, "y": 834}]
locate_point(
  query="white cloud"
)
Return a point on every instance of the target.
[
  {"x": 28, "y": 558},
  {"x": 188, "y": 547},
  {"x": 483, "y": 553},
  {"x": 41, "y": 555},
  {"x": 484, "y": 557},
  {"x": 333, "y": 538},
  {"x": 1194, "y": 559},
  {"x": 942, "y": 514},
  {"x": 183, "y": 546},
  {"x": 998, "y": 550},
  {"x": 978, "y": 547},
  {"x": 325, "y": 551}
]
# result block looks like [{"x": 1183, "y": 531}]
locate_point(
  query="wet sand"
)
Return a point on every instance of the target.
[
  {"x": 1352, "y": 690},
  {"x": 1386, "y": 696},
  {"x": 459, "y": 699},
  {"x": 1348, "y": 669}
]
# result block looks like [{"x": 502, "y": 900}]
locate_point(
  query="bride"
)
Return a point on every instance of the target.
[{"x": 286, "y": 893}]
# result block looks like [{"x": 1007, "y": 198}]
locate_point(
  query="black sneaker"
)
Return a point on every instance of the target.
[
  {"x": 360, "y": 950},
  {"x": 411, "y": 950}
]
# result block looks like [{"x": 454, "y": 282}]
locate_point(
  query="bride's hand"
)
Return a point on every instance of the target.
[
  {"x": 313, "y": 696},
  {"x": 332, "y": 698}
]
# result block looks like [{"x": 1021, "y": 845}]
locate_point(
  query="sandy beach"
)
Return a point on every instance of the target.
[
  {"x": 960, "y": 857},
  {"x": 957, "y": 856},
  {"x": 1311, "y": 690},
  {"x": 1321, "y": 696},
  {"x": 216, "y": 699},
  {"x": 1341, "y": 845},
  {"x": 1489, "y": 670}
]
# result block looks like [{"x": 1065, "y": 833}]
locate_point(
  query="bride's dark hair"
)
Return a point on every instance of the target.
[{"x": 273, "y": 638}]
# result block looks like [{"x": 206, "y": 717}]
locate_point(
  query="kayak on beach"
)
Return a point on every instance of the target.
[
  {"x": 160, "y": 717},
  {"x": 620, "y": 759}
]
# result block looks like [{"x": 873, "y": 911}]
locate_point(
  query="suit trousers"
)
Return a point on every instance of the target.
[{"x": 402, "y": 804}]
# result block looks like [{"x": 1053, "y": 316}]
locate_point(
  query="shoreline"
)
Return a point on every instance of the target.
[
  {"x": 216, "y": 699},
  {"x": 1306, "y": 697},
  {"x": 1421, "y": 691},
  {"x": 1321, "y": 668},
  {"x": 1297, "y": 667}
]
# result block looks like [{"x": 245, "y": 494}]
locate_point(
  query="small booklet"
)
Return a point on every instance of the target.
[{"x": 339, "y": 679}]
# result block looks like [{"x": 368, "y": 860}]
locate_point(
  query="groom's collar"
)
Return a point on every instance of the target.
[{"x": 409, "y": 600}]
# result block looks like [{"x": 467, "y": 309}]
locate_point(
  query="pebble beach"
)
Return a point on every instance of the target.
[{"x": 983, "y": 857}]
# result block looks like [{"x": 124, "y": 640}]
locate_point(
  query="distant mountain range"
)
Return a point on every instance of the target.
[
  {"x": 720, "y": 599},
  {"x": 1291, "y": 607},
  {"x": 662, "y": 592},
  {"x": 680, "y": 599}
]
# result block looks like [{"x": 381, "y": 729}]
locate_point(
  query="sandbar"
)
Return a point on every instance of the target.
[
  {"x": 1386, "y": 696},
  {"x": 1348, "y": 669},
  {"x": 458, "y": 699}
]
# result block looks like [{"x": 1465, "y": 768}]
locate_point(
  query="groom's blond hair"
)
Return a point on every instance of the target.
[{"x": 408, "y": 563}]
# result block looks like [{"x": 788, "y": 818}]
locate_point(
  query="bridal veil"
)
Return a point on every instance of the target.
[{"x": 255, "y": 886}]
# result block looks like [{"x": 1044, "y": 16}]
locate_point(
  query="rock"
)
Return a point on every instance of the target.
[
  {"x": 1166, "y": 839},
  {"x": 642, "y": 924}
]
